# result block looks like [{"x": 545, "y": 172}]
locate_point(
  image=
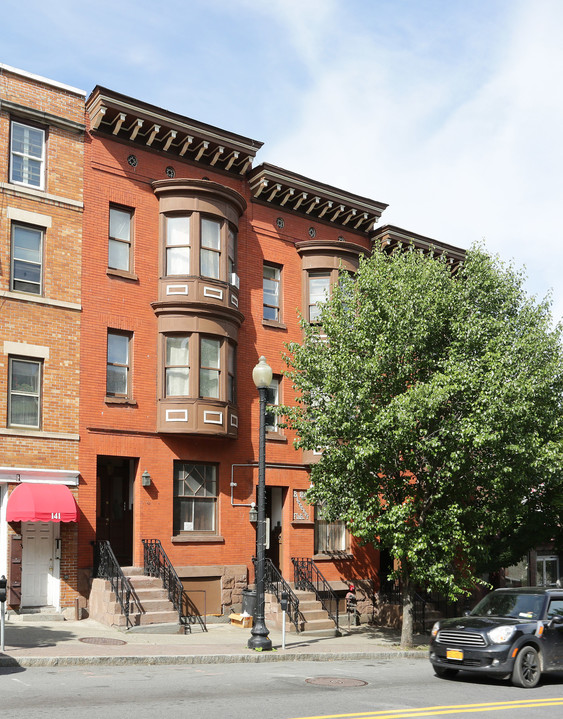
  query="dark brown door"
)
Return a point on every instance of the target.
[{"x": 115, "y": 509}]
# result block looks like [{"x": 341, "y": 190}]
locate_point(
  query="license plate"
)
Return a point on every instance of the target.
[{"x": 454, "y": 654}]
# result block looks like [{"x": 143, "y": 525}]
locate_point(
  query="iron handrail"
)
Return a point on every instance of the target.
[
  {"x": 308, "y": 577},
  {"x": 275, "y": 584},
  {"x": 157, "y": 564},
  {"x": 107, "y": 567}
]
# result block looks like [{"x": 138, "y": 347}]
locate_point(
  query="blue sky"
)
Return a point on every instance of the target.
[{"x": 451, "y": 111}]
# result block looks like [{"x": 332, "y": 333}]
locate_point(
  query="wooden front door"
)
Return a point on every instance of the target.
[{"x": 115, "y": 507}]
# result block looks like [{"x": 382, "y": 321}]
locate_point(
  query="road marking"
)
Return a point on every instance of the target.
[{"x": 446, "y": 709}]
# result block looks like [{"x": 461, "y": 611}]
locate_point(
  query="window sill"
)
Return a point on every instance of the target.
[
  {"x": 332, "y": 556},
  {"x": 276, "y": 437},
  {"x": 123, "y": 274},
  {"x": 196, "y": 537},
  {"x": 274, "y": 324},
  {"x": 121, "y": 400}
]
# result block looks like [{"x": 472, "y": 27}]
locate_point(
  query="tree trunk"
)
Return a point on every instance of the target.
[{"x": 408, "y": 611}]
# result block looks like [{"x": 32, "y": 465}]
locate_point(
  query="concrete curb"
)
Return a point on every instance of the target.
[{"x": 254, "y": 658}]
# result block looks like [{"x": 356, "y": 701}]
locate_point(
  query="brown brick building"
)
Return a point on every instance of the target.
[{"x": 41, "y": 206}]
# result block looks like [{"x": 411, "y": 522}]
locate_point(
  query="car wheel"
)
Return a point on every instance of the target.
[
  {"x": 445, "y": 672},
  {"x": 527, "y": 668}
]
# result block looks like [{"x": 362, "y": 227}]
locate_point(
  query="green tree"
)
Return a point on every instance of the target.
[{"x": 436, "y": 400}]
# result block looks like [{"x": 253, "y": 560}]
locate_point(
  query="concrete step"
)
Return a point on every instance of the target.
[
  {"x": 163, "y": 617},
  {"x": 26, "y": 616},
  {"x": 150, "y": 593},
  {"x": 156, "y": 605},
  {"x": 311, "y": 615}
]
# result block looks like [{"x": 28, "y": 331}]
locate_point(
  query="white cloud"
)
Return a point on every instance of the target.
[{"x": 459, "y": 156}]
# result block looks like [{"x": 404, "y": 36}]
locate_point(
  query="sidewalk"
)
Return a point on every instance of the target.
[{"x": 48, "y": 643}]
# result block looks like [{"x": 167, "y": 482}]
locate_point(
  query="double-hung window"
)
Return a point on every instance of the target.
[
  {"x": 27, "y": 155},
  {"x": 319, "y": 289},
  {"x": 195, "y": 497},
  {"x": 119, "y": 245},
  {"x": 118, "y": 372},
  {"x": 178, "y": 245},
  {"x": 210, "y": 253},
  {"x": 177, "y": 368},
  {"x": 271, "y": 284},
  {"x": 272, "y": 401},
  {"x": 27, "y": 259},
  {"x": 231, "y": 373},
  {"x": 232, "y": 256},
  {"x": 330, "y": 536},
  {"x": 24, "y": 399},
  {"x": 210, "y": 368}
]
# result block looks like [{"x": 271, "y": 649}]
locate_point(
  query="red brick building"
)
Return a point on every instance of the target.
[
  {"x": 196, "y": 264},
  {"x": 41, "y": 164},
  {"x": 127, "y": 365}
]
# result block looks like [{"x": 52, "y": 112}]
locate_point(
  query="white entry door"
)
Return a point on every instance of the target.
[{"x": 37, "y": 563}]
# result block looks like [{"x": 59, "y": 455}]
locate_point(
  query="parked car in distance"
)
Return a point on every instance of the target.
[{"x": 511, "y": 633}]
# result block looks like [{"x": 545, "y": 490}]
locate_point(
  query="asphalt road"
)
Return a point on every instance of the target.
[{"x": 392, "y": 690}]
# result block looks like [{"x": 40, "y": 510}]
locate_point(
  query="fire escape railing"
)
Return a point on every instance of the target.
[
  {"x": 107, "y": 567},
  {"x": 275, "y": 584},
  {"x": 157, "y": 564},
  {"x": 308, "y": 577}
]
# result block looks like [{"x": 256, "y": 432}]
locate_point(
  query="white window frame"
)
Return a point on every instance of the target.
[
  {"x": 170, "y": 367},
  {"x": 273, "y": 400},
  {"x": 13, "y": 259},
  {"x": 185, "y": 246},
  {"x": 20, "y": 393},
  {"x": 27, "y": 158},
  {"x": 127, "y": 242},
  {"x": 267, "y": 306},
  {"x": 126, "y": 365}
]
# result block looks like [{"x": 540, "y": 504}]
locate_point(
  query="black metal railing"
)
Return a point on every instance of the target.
[
  {"x": 157, "y": 564},
  {"x": 275, "y": 584},
  {"x": 107, "y": 567},
  {"x": 308, "y": 577}
]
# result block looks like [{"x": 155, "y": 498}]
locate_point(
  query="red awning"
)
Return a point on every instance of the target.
[{"x": 31, "y": 502}]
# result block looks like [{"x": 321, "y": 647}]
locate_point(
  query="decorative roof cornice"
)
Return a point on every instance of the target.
[
  {"x": 289, "y": 191},
  {"x": 148, "y": 126},
  {"x": 389, "y": 236}
]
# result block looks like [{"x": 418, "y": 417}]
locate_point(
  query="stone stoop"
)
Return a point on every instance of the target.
[
  {"x": 316, "y": 621},
  {"x": 151, "y": 596}
]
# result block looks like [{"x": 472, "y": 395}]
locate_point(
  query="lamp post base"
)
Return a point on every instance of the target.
[{"x": 260, "y": 639}]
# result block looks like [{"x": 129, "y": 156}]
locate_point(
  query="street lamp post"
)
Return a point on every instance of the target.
[{"x": 262, "y": 376}]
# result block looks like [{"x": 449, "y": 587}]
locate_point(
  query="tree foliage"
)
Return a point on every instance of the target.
[{"x": 436, "y": 399}]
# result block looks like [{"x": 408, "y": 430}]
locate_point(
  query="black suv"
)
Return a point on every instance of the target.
[{"x": 516, "y": 633}]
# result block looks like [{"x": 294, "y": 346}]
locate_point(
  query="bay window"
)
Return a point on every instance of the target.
[
  {"x": 177, "y": 366},
  {"x": 178, "y": 245},
  {"x": 210, "y": 367},
  {"x": 210, "y": 254},
  {"x": 319, "y": 289}
]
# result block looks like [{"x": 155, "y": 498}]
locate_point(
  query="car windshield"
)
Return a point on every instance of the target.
[{"x": 516, "y": 606}]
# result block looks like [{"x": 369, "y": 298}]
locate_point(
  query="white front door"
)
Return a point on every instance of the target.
[{"x": 37, "y": 563}]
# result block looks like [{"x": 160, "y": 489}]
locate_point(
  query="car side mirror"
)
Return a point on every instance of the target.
[{"x": 556, "y": 620}]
